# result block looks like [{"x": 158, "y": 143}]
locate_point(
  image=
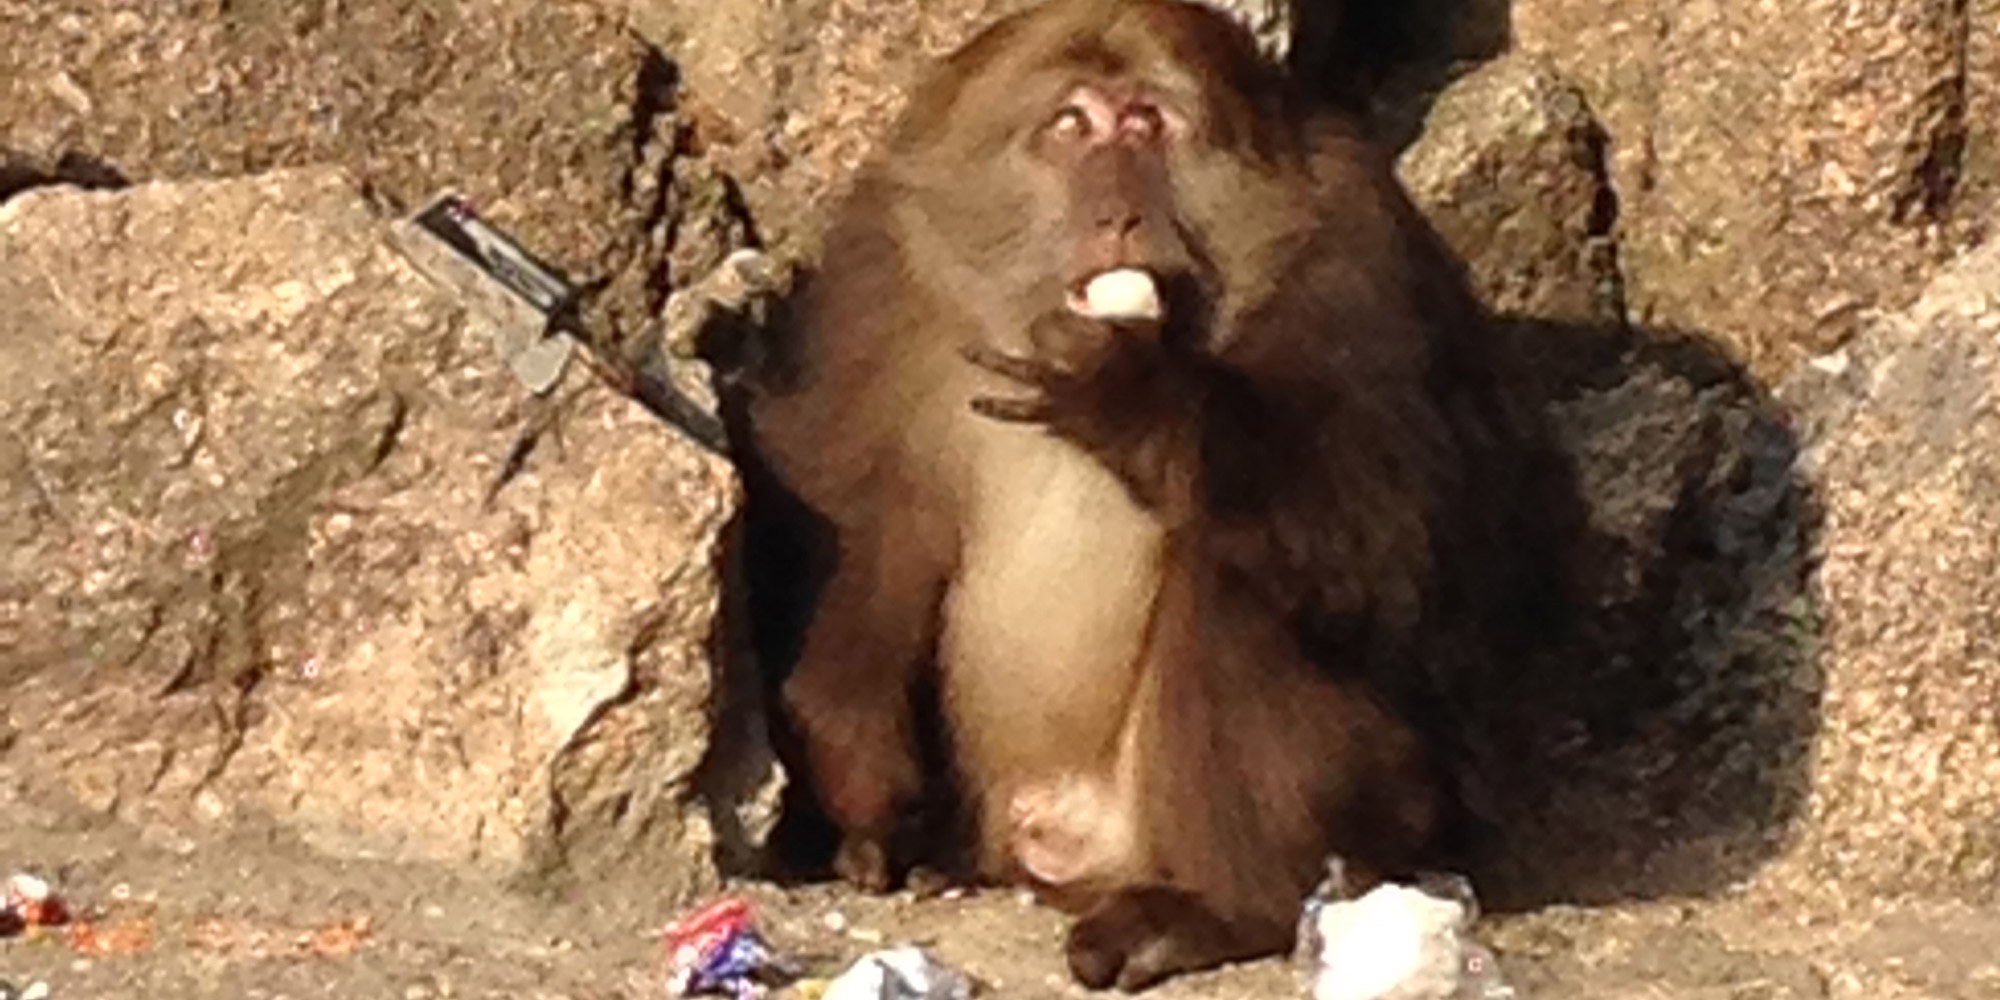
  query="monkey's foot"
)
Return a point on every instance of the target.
[
  {"x": 864, "y": 863},
  {"x": 1142, "y": 936}
]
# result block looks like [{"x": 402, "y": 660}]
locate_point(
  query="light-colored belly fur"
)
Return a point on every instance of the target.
[{"x": 1043, "y": 632}]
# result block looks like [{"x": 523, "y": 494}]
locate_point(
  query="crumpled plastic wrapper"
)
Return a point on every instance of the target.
[
  {"x": 717, "y": 951},
  {"x": 1397, "y": 942},
  {"x": 27, "y": 901},
  {"x": 906, "y": 973}
]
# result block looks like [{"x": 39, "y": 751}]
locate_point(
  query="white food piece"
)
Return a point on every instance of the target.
[
  {"x": 1395, "y": 943},
  {"x": 1125, "y": 293}
]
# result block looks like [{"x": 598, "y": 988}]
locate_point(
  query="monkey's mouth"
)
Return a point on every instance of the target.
[{"x": 1119, "y": 293}]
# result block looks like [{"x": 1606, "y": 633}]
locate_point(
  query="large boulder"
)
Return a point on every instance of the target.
[
  {"x": 282, "y": 540},
  {"x": 792, "y": 97},
  {"x": 557, "y": 121},
  {"x": 1665, "y": 748},
  {"x": 1510, "y": 169},
  {"x": 1783, "y": 680},
  {"x": 1904, "y": 426},
  {"x": 1979, "y": 165},
  {"x": 1784, "y": 170}
]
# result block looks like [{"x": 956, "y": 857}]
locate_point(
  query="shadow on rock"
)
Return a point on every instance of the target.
[
  {"x": 1663, "y": 748},
  {"x": 1389, "y": 60},
  {"x": 20, "y": 172}
]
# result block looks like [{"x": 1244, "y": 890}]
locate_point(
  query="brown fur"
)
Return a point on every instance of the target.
[{"x": 1129, "y": 612}]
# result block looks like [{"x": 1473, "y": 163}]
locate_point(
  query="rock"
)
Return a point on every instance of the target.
[
  {"x": 1510, "y": 170},
  {"x": 281, "y": 539},
  {"x": 1979, "y": 164},
  {"x": 1664, "y": 748},
  {"x": 795, "y": 95},
  {"x": 1782, "y": 170},
  {"x": 770, "y": 92},
  {"x": 1905, "y": 442},
  {"x": 800, "y": 93},
  {"x": 722, "y": 53},
  {"x": 552, "y": 118},
  {"x": 1720, "y": 728}
]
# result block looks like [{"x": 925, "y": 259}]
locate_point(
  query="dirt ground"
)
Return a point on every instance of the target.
[{"x": 258, "y": 918}]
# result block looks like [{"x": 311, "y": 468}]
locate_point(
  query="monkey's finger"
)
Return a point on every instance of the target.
[
  {"x": 1011, "y": 366},
  {"x": 1012, "y": 411},
  {"x": 1070, "y": 327}
]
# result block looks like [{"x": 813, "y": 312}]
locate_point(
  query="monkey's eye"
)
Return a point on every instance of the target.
[{"x": 1070, "y": 124}]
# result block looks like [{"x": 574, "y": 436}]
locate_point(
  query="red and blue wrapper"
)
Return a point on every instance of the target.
[{"x": 717, "y": 951}]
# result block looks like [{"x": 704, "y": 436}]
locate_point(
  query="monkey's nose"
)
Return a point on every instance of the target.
[{"x": 1118, "y": 222}]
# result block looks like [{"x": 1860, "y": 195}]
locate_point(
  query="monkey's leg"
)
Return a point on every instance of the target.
[
  {"x": 1256, "y": 766},
  {"x": 1234, "y": 879},
  {"x": 850, "y": 697},
  {"x": 1142, "y": 935}
]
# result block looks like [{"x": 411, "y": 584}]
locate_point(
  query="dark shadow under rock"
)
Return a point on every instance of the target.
[
  {"x": 1388, "y": 60},
  {"x": 20, "y": 172},
  {"x": 1663, "y": 749}
]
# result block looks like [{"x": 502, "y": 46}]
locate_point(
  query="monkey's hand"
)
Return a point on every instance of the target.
[
  {"x": 1111, "y": 388},
  {"x": 1074, "y": 361}
]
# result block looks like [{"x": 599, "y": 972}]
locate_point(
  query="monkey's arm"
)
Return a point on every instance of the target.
[
  {"x": 1308, "y": 466},
  {"x": 1318, "y": 484}
]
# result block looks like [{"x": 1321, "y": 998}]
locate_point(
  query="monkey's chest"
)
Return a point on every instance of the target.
[{"x": 1047, "y": 620}]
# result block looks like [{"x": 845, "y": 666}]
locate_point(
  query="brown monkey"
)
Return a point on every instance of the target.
[{"x": 1131, "y": 601}]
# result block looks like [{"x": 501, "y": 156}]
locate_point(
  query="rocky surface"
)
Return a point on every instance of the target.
[
  {"x": 1979, "y": 163},
  {"x": 257, "y": 918},
  {"x": 560, "y": 124},
  {"x": 790, "y": 98},
  {"x": 1905, "y": 431},
  {"x": 285, "y": 541},
  {"x": 1783, "y": 170},
  {"x": 1511, "y": 171},
  {"x": 1665, "y": 750}
]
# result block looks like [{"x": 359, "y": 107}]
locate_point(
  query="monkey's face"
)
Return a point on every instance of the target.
[{"x": 1143, "y": 136}]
